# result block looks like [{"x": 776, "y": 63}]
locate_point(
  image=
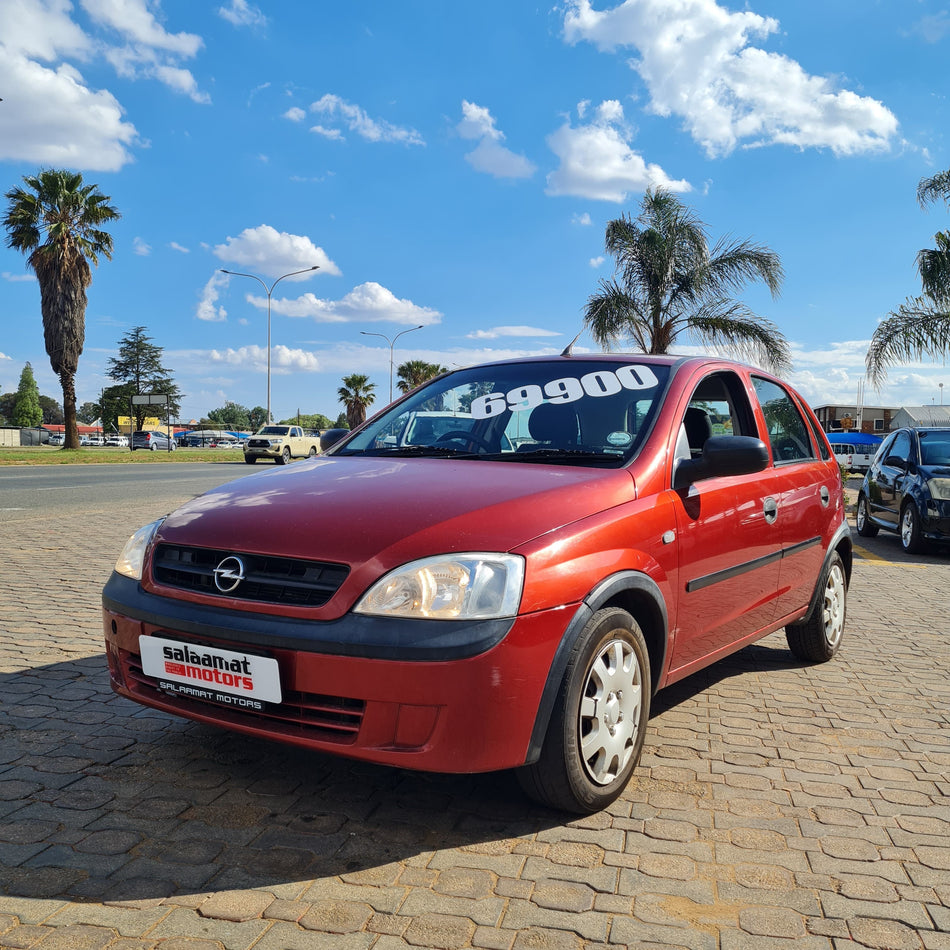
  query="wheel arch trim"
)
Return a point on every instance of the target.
[{"x": 618, "y": 589}]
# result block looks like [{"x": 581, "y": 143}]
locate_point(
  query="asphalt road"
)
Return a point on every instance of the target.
[{"x": 31, "y": 492}]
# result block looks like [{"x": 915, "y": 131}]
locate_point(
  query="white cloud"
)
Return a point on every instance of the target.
[
  {"x": 295, "y": 114},
  {"x": 356, "y": 120},
  {"x": 367, "y": 303},
  {"x": 933, "y": 28},
  {"x": 17, "y": 278},
  {"x": 596, "y": 160},
  {"x": 595, "y": 262},
  {"x": 271, "y": 253},
  {"x": 495, "y": 332},
  {"x": 697, "y": 62},
  {"x": 490, "y": 156},
  {"x": 582, "y": 219},
  {"x": 140, "y": 248},
  {"x": 208, "y": 308},
  {"x": 284, "y": 360},
  {"x": 241, "y": 13},
  {"x": 175, "y": 246},
  {"x": 335, "y": 135}
]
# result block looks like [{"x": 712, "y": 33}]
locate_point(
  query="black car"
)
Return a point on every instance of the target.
[{"x": 907, "y": 488}]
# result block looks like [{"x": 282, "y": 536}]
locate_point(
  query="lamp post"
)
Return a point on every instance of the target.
[
  {"x": 392, "y": 344},
  {"x": 269, "y": 291}
]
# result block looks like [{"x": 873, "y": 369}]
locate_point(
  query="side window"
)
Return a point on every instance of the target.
[
  {"x": 788, "y": 433},
  {"x": 901, "y": 446},
  {"x": 719, "y": 405}
]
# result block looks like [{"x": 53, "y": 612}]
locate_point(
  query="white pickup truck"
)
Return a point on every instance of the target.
[{"x": 280, "y": 443}]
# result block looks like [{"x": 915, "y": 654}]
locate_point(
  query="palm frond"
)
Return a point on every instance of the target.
[
  {"x": 933, "y": 266},
  {"x": 733, "y": 264},
  {"x": 918, "y": 328},
  {"x": 730, "y": 325},
  {"x": 613, "y": 315},
  {"x": 934, "y": 188}
]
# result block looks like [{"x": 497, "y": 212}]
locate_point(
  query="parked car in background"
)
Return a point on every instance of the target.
[
  {"x": 907, "y": 489},
  {"x": 507, "y": 593},
  {"x": 118, "y": 440},
  {"x": 57, "y": 438},
  {"x": 153, "y": 440},
  {"x": 95, "y": 440},
  {"x": 854, "y": 458}
]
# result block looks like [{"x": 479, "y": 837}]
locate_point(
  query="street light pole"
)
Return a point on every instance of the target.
[
  {"x": 269, "y": 291},
  {"x": 392, "y": 344}
]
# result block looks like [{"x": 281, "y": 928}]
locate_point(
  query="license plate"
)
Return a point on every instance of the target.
[{"x": 211, "y": 669}]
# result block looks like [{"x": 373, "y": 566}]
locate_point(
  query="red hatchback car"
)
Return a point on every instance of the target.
[{"x": 506, "y": 592}]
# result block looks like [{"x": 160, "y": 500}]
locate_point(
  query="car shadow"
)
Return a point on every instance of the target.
[{"x": 104, "y": 800}]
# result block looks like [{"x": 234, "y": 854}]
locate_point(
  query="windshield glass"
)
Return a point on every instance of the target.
[
  {"x": 582, "y": 412},
  {"x": 935, "y": 448},
  {"x": 273, "y": 430}
]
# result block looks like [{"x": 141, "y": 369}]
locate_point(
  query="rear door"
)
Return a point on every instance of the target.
[{"x": 808, "y": 493}]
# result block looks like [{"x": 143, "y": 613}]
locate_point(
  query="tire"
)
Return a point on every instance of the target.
[
  {"x": 250, "y": 459},
  {"x": 817, "y": 639},
  {"x": 313, "y": 451},
  {"x": 599, "y": 721},
  {"x": 911, "y": 540},
  {"x": 153, "y": 446},
  {"x": 866, "y": 527},
  {"x": 284, "y": 456}
]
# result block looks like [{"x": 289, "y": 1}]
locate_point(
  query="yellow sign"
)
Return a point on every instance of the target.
[
  {"x": 125, "y": 423},
  {"x": 847, "y": 422}
]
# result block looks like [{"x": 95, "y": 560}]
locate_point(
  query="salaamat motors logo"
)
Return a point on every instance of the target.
[{"x": 208, "y": 668}]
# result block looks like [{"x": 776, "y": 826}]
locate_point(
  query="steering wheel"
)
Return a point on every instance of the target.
[
  {"x": 789, "y": 449},
  {"x": 463, "y": 435}
]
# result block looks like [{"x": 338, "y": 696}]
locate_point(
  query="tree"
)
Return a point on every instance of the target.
[
  {"x": 341, "y": 422},
  {"x": 7, "y": 402},
  {"x": 230, "y": 416},
  {"x": 57, "y": 220},
  {"x": 415, "y": 372},
  {"x": 668, "y": 283},
  {"x": 256, "y": 418},
  {"x": 921, "y": 325},
  {"x": 139, "y": 370},
  {"x": 27, "y": 411},
  {"x": 52, "y": 411},
  {"x": 313, "y": 421},
  {"x": 88, "y": 412},
  {"x": 357, "y": 396}
]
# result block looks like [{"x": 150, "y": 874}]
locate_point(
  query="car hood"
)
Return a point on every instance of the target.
[{"x": 384, "y": 512}]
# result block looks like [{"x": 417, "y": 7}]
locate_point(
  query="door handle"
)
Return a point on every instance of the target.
[{"x": 770, "y": 509}]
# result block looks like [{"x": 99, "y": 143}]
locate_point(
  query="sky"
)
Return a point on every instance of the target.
[{"x": 453, "y": 165}]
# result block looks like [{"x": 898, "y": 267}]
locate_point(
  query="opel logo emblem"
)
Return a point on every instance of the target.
[{"x": 228, "y": 574}]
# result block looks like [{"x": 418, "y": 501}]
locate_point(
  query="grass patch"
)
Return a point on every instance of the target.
[{"x": 104, "y": 454}]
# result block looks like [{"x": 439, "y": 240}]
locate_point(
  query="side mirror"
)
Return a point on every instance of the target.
[
  {"x": 895, "y": 461},
  {"x": 723, "y": 455},
  {"x": 331, "y": 437}
]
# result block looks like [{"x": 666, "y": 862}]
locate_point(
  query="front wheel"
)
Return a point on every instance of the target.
[
  {"x": 818, "y": 638},
  {"x": 866, "y": 527},
  {"x": 250, "y": 459},
  {"x": 911, "y": 540},
  {"x": 284, "y": 457},
  {"x": 599, "y": 721}
]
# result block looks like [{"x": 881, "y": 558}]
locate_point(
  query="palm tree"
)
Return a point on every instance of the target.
[
  {"x": 57, "y": 219},
  {"x": 356, "y": 394},
  {"x": 416, "y": 372},
  {"x": 668, "y": 283},
  {"x": 921, "y": 325}
]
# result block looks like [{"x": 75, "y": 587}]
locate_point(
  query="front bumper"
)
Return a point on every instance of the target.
[{"x": 463, "y": 698}]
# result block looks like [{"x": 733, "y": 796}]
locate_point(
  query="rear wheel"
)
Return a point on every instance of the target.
[
  {"x": 313, "y": 451},
  {"x": 599, "y": 721},
  {"x": 911, "y": 540},
  {"x": 866, "y": 527},
  {"x": 818, "y": 638}
]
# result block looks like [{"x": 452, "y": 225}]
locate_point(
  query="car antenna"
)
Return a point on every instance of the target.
[{"x": 569, "y": 349}]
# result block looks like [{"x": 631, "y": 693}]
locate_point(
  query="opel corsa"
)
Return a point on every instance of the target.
[{"x": 507, "y": 592}]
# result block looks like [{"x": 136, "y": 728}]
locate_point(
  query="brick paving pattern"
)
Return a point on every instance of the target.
[{"x": 776, "y": 804}]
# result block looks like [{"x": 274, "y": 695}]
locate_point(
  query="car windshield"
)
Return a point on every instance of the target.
[
  {"x": 273, "y": 430},
  {"x": 576, "y": 412},
  {"x": 935, "y": 448}
]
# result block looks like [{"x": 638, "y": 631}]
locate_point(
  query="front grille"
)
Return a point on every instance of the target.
[
  {"x": 267, "y": 579},
  {"x": 298, "y": 715},
  {"x": 258, "y": 443}
]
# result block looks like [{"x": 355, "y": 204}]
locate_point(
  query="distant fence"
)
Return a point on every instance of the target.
[{"x": 13, "y": 437}]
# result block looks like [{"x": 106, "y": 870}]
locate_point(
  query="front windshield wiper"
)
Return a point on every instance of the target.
[
  {"x": 549, "y": 454},
  {"x": 421, "y": 451}
]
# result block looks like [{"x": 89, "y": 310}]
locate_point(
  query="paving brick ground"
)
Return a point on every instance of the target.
[{"x": 776, "y": 804}]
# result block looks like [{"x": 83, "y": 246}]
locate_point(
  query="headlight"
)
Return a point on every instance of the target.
[
  {"x": 132, "y": 558},
  {"x": 450, "y": 587},
  {"x": 939, "y": 488}
]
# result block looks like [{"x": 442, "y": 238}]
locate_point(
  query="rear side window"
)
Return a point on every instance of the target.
[{"x": 787, "y": 429}]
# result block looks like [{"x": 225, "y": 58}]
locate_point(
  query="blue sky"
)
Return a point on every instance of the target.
[{"x": 454, "y": 165}]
